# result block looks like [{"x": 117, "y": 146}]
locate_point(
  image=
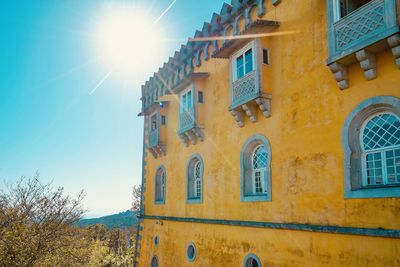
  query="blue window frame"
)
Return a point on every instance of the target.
[
  {"x": 243, "y": 62},
  {"x": 159, "y": 185},
  {"x": 251, "y": 260},
  {"x": 371, "y": 141},
  {"x": 255, "y": 170},
  {"x": 194, "y": 179}
]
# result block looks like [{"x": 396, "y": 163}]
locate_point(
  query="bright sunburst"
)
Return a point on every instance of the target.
[{"x": 128, "y": 41}]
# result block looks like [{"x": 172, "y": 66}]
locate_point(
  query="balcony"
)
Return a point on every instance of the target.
[
  {"x": 153, "y": 138},
  {"x": 246, "y": 92},
  {"x": 189, "y": 131},
  {"x": 359, "y": 35}
]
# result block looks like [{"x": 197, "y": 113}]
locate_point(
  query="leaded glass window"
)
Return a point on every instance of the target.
[
  {"x": 380, "y": 142},
  {"x": 160, "y": 185},
  {"x": 197, "y": 178},
  {"x": 194, "y": 179},
  {"x": 260, "y": 164}
]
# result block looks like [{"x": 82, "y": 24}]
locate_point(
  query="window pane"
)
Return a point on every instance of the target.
[
  {"x": 257, "y": 182},
  {"x": 189, "y": 100},
  {"x": 260, "y": 158},
  {"x": 249, "y": 60},
  {"x": 183, "y": 102},
  {"x": 381, "y": 131},
  {"x": 153, "y": 122},
  {"x": 239, "y": 67},
  {"x": 374, "y": 171}
]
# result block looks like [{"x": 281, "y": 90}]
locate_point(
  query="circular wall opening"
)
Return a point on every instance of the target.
[{"x": 191, "y": 252}]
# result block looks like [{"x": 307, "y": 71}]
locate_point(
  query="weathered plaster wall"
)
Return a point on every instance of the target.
[
  {"x": 304, "y": 130},
  {"x": 228, "y": 246}
]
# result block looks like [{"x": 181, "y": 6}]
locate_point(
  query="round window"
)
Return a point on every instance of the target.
[
  {"x": 191, "y": 252},
  {"x": 252, "y": 261}
]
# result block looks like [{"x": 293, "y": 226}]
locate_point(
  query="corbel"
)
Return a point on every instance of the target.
[
  {"x": 341, "y": 75},
  {"x": 191, "y": 137},
  {"x": 394, "y": 43},
  {"x": 264, "y": 103},
  {"x": 250, "y": 112},
  {"x": 367, "y": 63},
  {"x": 238, "y": 116},
  {"x": 198, "y": 133}
]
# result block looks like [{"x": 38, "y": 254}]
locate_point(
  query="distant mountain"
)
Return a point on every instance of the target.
[{"x": 120, "y": 220}]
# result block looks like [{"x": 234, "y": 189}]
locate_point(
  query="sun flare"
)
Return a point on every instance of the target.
[{"x": 128, "y": 40}]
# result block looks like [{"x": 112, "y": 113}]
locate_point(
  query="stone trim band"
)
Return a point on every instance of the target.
[{"x": 377, "y": 232}]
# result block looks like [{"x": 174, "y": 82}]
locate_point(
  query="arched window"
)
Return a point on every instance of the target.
[
  {"x": 380, "y": 143},
  {"x": 259, "y": 164},
  {"x": 160, "y": 185},
  {"x": 255, "y": 170},
  {"x": 251, "y": 260},
  {"x": 154, "y": 261},
  {"x": 194, "y": 177},
  {"x": 371, "y": 140}
]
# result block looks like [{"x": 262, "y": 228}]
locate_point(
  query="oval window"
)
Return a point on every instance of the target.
[{"x": 191, "y": 252}]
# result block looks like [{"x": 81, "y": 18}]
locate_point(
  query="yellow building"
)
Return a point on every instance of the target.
[{"x": 279, "y": 146}]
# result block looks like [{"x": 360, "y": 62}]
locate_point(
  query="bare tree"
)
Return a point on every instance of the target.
[
  {"x": 136, "y": 198},
  {"x": 36, "y": 226}
]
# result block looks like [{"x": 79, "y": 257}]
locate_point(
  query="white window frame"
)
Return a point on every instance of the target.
[
  {"x": 262, "y": 172},
  {"x": 336, "y": 10},
  {"x": 381, "y": 150},
  {"x": 150, "y": 121},
  {"x": 197, "y": 180},
  {"x": 185, "y": 92},
  {"x": 241, "y": 52}
]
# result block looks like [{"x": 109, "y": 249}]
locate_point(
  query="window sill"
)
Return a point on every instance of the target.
[
  {"x": 376, "y": 192},
  {"x": 159, "y": 202},
  {"x": 256, "y": 198},
  {"x": 194, "y": 201}
]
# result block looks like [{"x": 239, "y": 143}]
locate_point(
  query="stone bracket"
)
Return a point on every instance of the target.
[
  {"x": 191, "y": 136},
  {"x": 264, "y": 103},
  {"x": 367, "y": 63},
  {"x": 394, "y": 43},
  {"x": 250, "y": 109},
  {"x": 157, "y": 151},
  {"x": 341, "y": 75}
]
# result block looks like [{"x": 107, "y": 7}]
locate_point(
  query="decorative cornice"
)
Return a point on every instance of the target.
[
  {"x": 345, "y": 230},
  {"x": 191, "y": 55}
]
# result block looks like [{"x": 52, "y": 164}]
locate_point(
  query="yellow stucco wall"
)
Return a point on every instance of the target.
[{"x": 307, "y": 183}]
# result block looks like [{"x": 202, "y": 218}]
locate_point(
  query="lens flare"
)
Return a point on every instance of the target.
[{"x": 129, "y": 41}]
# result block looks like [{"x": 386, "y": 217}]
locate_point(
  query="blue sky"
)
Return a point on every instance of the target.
[{"x": 49, "y": 121}]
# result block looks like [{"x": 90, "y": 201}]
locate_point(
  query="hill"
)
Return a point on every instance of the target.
[{"x": 120, "y": 220}]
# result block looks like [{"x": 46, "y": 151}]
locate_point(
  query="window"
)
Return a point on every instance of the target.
[
  {"x": 194, "y": 178},
  {"x": 191, "y": 252},
  {"x": 163, "y": 120},
  {"x": 200, "y": 97},
  {"x": 160, "y": 186},
  {"x": 156, "y": 240},
  {"x": 153, "y": 122},
  {"x": 265, "y": 56},
  {"x": 243, "y": 62},
  {"x": 186, "y": 100},
  {"x": 154, "y": 261},
  {"x": 251, "y": 260},
  {"x": 259, "y": 164},
  {"x": 381, "y": 150},
  {"x": 255, "y": 161},
  {"x": 345, "y": 7},
  {"x": 371, "y": 140}
]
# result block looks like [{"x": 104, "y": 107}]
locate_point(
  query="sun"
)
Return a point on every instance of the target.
[{"x": 127, "y": 40}]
